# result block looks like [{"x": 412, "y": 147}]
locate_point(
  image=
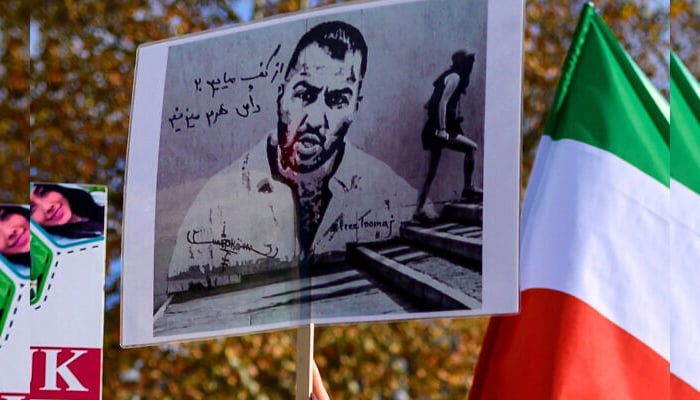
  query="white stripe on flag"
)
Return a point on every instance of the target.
[
  {"x": 685, "y": 281},
  {"x": 598, "y": 230},
  {"x": 686, "y": 206}
]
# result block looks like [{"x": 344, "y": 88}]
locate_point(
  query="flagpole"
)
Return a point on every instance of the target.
[{"x": 305, "y": 351}]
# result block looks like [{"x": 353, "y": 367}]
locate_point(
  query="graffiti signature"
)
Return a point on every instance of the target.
[{"x": 232, "y": 246}]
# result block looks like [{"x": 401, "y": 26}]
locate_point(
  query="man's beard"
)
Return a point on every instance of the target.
[{"x": 294, "y": 161}]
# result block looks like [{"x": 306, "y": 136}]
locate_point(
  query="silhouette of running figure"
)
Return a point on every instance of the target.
[{"x": 443, "y": 128}]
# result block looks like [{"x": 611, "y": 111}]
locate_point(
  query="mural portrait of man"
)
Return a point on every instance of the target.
[{"x": 302, "y": 191}]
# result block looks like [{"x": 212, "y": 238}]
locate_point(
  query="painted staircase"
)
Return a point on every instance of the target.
[{"x": 437, "y": 262}]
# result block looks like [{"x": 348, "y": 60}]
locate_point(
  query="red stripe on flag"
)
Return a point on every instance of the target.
[
  {"x": 681, "y": 390},
  {"x": 559, "y": 347}
]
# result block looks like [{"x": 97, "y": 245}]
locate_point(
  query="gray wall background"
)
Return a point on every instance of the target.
[{"x": 409, "y": 46}]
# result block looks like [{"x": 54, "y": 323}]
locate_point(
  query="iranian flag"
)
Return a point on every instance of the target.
[
  {"x": 685, "y": 233},
  {"x": 595, "y": 249}
]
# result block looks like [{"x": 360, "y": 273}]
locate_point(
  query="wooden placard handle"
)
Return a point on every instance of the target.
[{"x": 305, "y": 353}]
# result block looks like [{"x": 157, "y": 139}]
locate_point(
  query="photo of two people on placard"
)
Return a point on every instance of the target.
[
  {"x": 376, "y": 139},
  {"x": 66, "y": 214}
]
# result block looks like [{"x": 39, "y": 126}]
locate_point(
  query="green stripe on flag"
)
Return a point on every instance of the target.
[
  {"x": 685, "y": 126},
  {"x": 604, "y": 100}
]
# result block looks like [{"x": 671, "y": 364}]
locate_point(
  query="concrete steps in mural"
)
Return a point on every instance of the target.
[
  {"x": 439, "y": 262},
  {"x": 467, "y": 213},
  {"x": 336, "y": 292},
  {"x": 452, "y": 238},
  {"x": 435, "y": 280}
]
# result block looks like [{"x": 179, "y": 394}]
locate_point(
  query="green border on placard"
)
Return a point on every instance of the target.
[
  {"x": 7, "y": 294},
  {"x": 42, "y": 257}
]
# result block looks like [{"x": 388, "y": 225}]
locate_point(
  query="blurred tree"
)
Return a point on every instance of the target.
[
  {"x": 14, "y": 101},
  {"x": 80, "y": 92},
  {"x": 685, "y": 32}
]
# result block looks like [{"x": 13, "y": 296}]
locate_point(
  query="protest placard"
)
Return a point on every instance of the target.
[
  {"x": 67, "y": 303},
  {"x": 15, "y": 356},
  {"x": 351, "y": 163}
]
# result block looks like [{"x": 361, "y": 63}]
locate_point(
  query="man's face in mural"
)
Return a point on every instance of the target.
[{"x": 317, "y": 107}]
